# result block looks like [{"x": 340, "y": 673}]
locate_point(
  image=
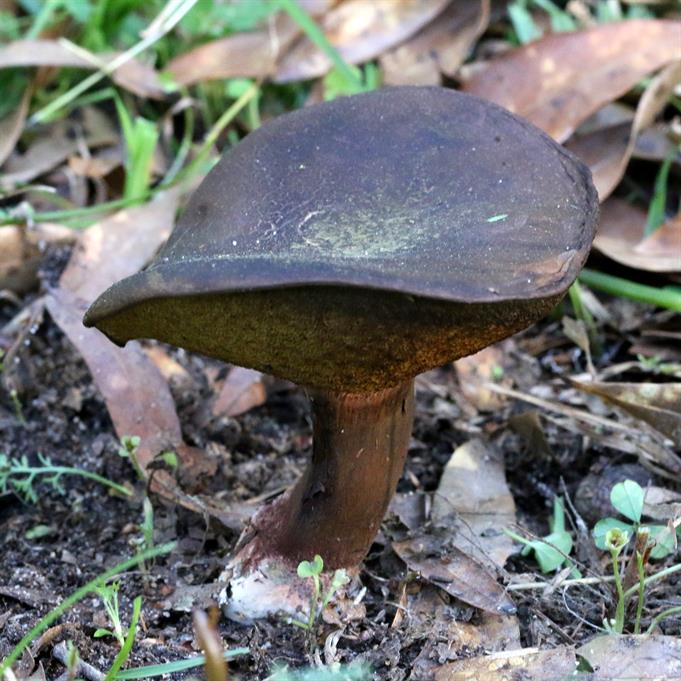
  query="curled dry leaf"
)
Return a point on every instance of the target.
[
  {"x": 433, "y": 558},
  {"x": 658, "y": 404},
  {"x": 607, "y": 150},
  {"x": 439, "y": 47},
  {"x": 621, "y": 237},
  {"x": 360, "y": 30},
  {"x": 558, "y": 81},
  {"x": 12, "y": 126},
  {"x": 473, "y": 497},
  {"x": 134, "y": 75},
  {"x": 21, "y": 250}
]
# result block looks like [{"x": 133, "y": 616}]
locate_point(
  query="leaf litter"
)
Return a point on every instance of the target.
[{"x": 443, "y": 567}]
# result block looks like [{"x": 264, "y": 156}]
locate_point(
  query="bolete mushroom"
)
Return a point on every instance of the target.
[{"x": 348, "y": 247}]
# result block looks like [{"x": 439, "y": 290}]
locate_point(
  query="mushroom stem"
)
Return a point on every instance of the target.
[{"x": 336, "y": 508}]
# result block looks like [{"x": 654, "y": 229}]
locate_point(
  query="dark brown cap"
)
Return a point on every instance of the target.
[{"x": 352, "y": 244}]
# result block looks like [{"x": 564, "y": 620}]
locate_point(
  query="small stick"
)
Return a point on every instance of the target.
[{"x": 60, "y": 653}]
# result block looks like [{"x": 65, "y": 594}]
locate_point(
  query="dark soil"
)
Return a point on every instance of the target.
[{"x": 58, "y": 413}]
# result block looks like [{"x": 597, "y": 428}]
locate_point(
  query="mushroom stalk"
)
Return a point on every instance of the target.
[{"x": 335, "y": 509}]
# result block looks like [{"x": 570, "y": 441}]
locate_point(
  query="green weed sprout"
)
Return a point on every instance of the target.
[
  {"x": 109, "y": 595},
  {"x": 128, "y": 450},
  {"x": 615, "y": 540},
  {"x": 652, "y": 541},
  {"x": 19, "y": 476},
  {"x": 628, "y": 497},
  {"x": 551, "y": 552},
  {"x": 312, "y": 570}
]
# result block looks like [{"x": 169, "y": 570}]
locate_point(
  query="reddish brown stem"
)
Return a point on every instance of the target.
[{"x": 336, "y": 508}]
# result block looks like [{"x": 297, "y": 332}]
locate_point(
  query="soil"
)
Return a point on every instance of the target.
[{"x": 51, "y": 547}]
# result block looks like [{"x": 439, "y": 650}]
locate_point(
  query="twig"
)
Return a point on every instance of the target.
[{"x": 60, "y": 653}]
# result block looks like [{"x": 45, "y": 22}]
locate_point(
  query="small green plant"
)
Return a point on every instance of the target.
[
  {"x": 628, "y": 498},
  {"x": 19, "y": 476},
  {"x": 75, "y": 597},
  {"x": 551, "y": 552},
  {"x": 141, "y": 137},
  {"x": 128, "y": 450},
  {"x": 109, "y": 596},
  {"x": 312, "y": 570}
]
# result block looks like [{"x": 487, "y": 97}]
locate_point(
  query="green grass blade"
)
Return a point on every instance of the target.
[
  {"x": 126, "y": 649},
  {"x": 76, "y": 596},
  {"x": 661, "y": 297},
  {"x": 153, "y": 670}
]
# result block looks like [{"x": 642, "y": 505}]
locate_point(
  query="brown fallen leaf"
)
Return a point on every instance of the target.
[
  {"x": 360, "y": 30},
  {"x": 474, "y": 498},
  {"x": 12, "y": 126},
  {"x": 621, "y": 237},
  {"x": 136, "y": 396},
  {"x": 439, "y": 47},
  {"x": 242, "y": 55},
  {"x": 21, "y": 251},
  {"x": 558, "y": 81},
  {"x": 433, "y": 558},
  {"x": 243, "y": 389},
  {"x": 529, "y": 664},
  {"x": 615, "y": 658},
  {"x": 658, "y": 404},
  {"x": 475, "y": 371},
  {"x": 433, "y": 619},
  {"x": 56, "y": 143},
  {"x": 607, "y": 150},
  {"x": 134, "y": 75},
  {"x": 119, "y": 245}
]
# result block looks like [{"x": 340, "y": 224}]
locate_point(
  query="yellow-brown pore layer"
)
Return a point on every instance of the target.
[{"x": 341, "y": 339}]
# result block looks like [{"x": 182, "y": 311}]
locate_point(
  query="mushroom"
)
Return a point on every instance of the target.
[{"x": 348, "y": 247}]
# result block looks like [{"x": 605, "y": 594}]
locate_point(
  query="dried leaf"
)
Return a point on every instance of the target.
[
  {"x": 633, "y": 657},
  {"x": 558, "y": 81},
  {"x": 528, "y": 665},
  {"x": 119, "y": 245},
  {"x": 607, "y": 150},
  {"x": 134, "y": 75},
  {"x": 360, "y": 30},
  {"x": 245, "y": 55},
  {"x": 473, "y": 488},
  {"x": 243, "y": 389},
  {"x": 437, "y": 622},
  {"x": 241, "y": 55},
  {"x": 56, "y": 143},
  {"x": 136, "y": 396},
  {"x": 454, "y": 571},
  {"x": 621, "y": 237},
  {"x": 658, "y": 404},
  {"x": 21, "y": 252},
  {"x": 439, "y": 47},
  {"x": 12, "y": 126},
  {"x": 475, "y": 371}
]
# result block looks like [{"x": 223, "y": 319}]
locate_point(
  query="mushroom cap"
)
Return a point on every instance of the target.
[{"x": 353, "y": 244}]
